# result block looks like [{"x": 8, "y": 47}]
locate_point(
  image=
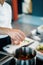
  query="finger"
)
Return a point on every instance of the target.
[
  {"x": 12, "y": 41},
  {"x": 18, "y": 37},
  {"x": 22, "y": 33},
  {"x": 16, "y": 42},
  {"x": 19, "y": 31},
  {"x": 21, "y": 37}
]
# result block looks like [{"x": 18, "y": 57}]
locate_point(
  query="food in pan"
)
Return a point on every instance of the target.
[
  {"x": 26, "y": 41},
  {"x": 40, "y": 48},
  {"x": 27, "y": 57}
]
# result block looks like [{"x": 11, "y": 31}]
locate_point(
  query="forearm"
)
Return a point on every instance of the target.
[
  {"x": 4, "y": 31},
  {"x": 16, "y": 35}
]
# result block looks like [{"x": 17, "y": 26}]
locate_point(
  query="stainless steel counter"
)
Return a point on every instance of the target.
[
  {"x": 26, "y": 28},
  {"x": 27, "y": 23}
]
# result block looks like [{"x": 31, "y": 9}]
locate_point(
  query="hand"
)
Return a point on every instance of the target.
[{"x": 16, "y": 36}]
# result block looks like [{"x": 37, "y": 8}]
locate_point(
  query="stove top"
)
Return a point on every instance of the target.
[{"x": 12, "y": 62}]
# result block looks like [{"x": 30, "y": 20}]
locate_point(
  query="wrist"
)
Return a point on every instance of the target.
[{"x": 8, "y": 31}]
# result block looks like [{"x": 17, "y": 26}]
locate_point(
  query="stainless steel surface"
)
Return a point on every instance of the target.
[
  {"x": 27, "y": 53},
  {"x": 6, "y": 59},
  {"x": 26, "y": 28}
]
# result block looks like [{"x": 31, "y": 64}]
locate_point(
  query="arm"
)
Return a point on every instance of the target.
[{"x": 16, "y": 35}]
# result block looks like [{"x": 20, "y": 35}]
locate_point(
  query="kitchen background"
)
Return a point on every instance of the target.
[
  {"x": 37, "y": 6},
  {"x": 33, "y": 9}
]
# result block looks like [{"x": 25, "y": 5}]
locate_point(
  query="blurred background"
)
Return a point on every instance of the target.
[
  {"x": 26, "y": 14},
  {"x": 29, "y": 6}
]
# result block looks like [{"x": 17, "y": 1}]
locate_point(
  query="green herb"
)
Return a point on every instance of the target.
[{"x": 26, "y": 41}]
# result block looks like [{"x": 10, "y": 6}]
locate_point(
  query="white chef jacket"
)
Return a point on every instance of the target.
[{"x": 5, "y": 16}]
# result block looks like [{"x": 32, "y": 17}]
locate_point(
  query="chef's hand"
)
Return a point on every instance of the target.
[{"x": 16, "y": 36}]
